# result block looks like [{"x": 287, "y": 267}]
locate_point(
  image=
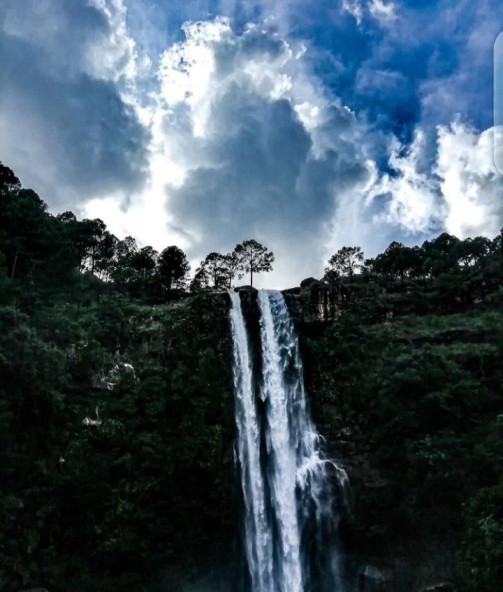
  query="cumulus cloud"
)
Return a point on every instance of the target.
[
  {"x": 66, "y": 126},
  {"x": 409, "y": 197},
  {"x": 470, "y": 184},
  {"x": 461, "y": 193},
  {"x": 265, "y": 154}
]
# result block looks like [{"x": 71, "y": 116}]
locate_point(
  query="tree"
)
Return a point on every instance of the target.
[
  {"x": 8, "y": 180},
  {"x": 144, "y": 262},
  {"x": 27, "y": 231},
  {"x": 345, "y": 262},
  {"x": 497, "y": 244},
  {"x": 200, "y": 280},
  {"x": 215, "y": 269},
  {"x": 173, "y": 268},
  {"x": 144, "y": 269},
  {"x": 473, "y": 251},
  {"x": 252, "y": 257},
  {"x": 93, "y": 245},
  {"x": 399, "y": 260},
  {"x": 123, "y": 272},
  {"x": 104, "y": 255},
  {"x": 232, "y": 268},
  {"x": 441, "y": 254}
]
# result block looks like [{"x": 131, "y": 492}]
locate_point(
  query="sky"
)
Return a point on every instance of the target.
[{"x": 306, "y": 125}]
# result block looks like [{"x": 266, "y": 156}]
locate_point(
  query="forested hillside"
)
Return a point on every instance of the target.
[
  {"x": 406, "y": 385},
  {"x": 115, "y": 409},
  {"x": 117, "y": 416}
]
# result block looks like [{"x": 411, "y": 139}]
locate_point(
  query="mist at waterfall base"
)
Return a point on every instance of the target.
[{"x": 292, "y": 497}]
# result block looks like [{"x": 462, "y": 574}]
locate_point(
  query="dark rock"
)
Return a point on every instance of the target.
[
  {"x": 292, "y": 291},
  {"x": 228, "y": 457},
  {"x": 370, "y": 579},
  {"x": 375, "y": 531},
  {"x": 308, "y": 282},
  {"x": 314, "y": 302}
]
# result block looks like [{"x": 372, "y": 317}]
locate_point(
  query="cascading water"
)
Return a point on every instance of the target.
[
  {"x": 258, "y": 536},
  {"x": 290, "y": 492}
]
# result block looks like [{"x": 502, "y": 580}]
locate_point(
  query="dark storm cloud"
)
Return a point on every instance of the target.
[
  {"x": 67, "y": 133},
  {"x": 252, "y": 185}
]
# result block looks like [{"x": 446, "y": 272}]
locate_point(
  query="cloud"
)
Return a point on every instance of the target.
[
  {"x": 470, "y": 184},
  {"x": 383, "y": 12},
  {"x": 403, "y": 63},
  {"x": 409, "y": 197},
  {"x": 460, "y": 72},
  {"x": 265, "y": 153},
  {"x": 461, "y": 193},
  {"x": 66, "y": 125}
]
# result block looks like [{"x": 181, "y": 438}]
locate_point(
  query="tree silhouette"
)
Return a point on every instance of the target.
[
  {"x": 231, "y": 268},
  {"x": 441, "y": 254},
  {"x": 122, "y": 269},
  {"x": 218, "y": 270},
  {"x": 8, "y": 180},
  {"x": 399, "y": 260},
  {"x": 252, "y": 257},
  {"x": 144, "y": 262},
  {"x": 200, "y": 281},
  {"x": 215, "y": 269},
  {"x": 173, "y": 268},
  {"x": 473, "y": 250},
  {"x": 346, "y": 261}
]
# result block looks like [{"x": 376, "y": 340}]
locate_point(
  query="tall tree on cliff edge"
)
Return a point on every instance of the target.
[
  {"x": 173, "y": 268},
  {"x": 346, "y": 261},
  {"x": 253, "y": 258},
  {"x": 218, "y": 270},
  {"x": 214, "y": 268}
]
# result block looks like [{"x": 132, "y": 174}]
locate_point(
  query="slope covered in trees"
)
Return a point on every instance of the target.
[{"x": 405, "y": 376}]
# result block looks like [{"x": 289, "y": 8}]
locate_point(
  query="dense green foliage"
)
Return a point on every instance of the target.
[
  {"x": 410, "y": 372},
  {"x": 113, "y": 500},
  {"x": 115, "y": 408}
]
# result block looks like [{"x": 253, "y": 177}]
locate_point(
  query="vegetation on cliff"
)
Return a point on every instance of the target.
[{"x": 405, "y": 377}]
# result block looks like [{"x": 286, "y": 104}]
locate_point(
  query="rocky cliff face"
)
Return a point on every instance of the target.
[{"x": 314, "y": 301}]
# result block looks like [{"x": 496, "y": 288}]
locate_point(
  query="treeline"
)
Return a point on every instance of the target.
[
  {"x": 51, "y": 251},
  {"x": 443, "y": 254}
]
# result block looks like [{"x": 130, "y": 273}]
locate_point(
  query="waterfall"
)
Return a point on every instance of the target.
[
  {"x": 292, "y": 495},
  {"x": 258, "y": 537}
]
